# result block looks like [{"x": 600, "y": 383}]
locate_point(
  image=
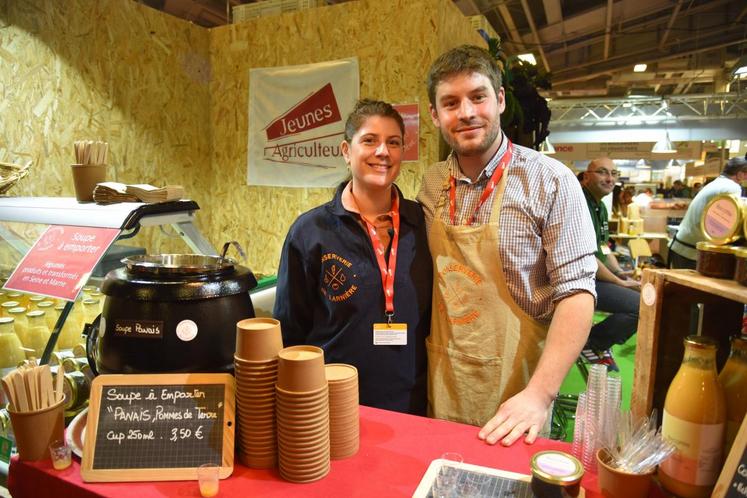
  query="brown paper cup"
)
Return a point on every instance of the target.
[
  {"x": 85, "y": 178},
  {"x": 301, "y": 369},
  {"x": 35, "y": 431},
  {"x": 258, "y": 339},
  {"x": 617, "y": 484}
]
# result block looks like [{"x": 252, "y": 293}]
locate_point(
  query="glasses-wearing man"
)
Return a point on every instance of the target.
[
  {"x": 500, "y": 294},
  {"x": 615, "y": 293}
]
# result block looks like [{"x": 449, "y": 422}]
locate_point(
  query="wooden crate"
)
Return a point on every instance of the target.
[{"x": 667, "y": 298}]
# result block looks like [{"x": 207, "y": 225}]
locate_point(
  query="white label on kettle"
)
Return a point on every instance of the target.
[
  {"x": 186, "y": 330},
  {"x": 102, "y": 326}
]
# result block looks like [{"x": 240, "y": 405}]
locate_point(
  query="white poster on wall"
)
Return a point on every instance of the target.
[{"x": 296, "y": 123}]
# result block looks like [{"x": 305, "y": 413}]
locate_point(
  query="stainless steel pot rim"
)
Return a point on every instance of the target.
[{"x": 177, "y": 264}]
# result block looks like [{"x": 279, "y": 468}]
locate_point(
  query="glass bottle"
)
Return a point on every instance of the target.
[
  {"x": 21, "y": 298},
  {"x": 73, "y": 327},
  {"x": 49, "y": 312},
  {"x": 34, "y": 302},
  {"x": 7, "y": 305},
  {"x": 38, "y": 333},
  {"x": 90, "y": 309},
  {"x": 20, "y": 324},
  {"x": 11, "y": 349},
  {"x": 694, "y": 420},
  {"x": 733, "y": 378}
]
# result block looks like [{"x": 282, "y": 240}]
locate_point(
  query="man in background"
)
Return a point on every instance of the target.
[
  {"x": 513, "y": 254},
  {"x": 682, "y": 252},
  {"x": 616, "y": 291}
]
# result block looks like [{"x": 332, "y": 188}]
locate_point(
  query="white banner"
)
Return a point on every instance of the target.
[{"x": 296, "y": 123}]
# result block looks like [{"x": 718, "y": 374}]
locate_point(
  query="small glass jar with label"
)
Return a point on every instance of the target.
[
  {"x": 76, "y": 387},
  {"x": 556, "y": 475},
  {"x": 715, "y": 261}
]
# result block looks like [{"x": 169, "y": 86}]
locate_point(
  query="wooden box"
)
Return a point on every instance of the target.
[{"x": 667, "y": 316}]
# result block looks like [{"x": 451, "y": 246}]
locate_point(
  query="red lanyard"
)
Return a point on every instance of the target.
[
  {"x": 387, "y": 272},
  {"x": 497, "y": 174}
]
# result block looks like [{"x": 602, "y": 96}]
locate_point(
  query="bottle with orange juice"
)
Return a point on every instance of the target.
[
  {"x": 694, "y": 421},
  {"x": 733, "y": 378}
]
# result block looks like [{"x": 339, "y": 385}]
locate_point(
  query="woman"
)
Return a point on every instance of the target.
[{"x": 340, "y": 259}]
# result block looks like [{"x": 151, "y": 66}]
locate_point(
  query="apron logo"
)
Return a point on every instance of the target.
[
  {"x": 456, "y": 283},
  {"x": 337, "y": 286}
]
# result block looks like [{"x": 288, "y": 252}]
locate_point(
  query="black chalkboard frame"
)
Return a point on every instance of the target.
[
  {"x": 173, "y": 473},
  {"x": 732, "y": 483}
]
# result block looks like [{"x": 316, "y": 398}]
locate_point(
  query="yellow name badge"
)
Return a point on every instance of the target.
[{"x": 394, "y": 334}]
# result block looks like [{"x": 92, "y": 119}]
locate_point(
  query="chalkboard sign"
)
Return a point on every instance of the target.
[
  {"x": 158, "y": 427},
  {"x": 732, "y": 483}
]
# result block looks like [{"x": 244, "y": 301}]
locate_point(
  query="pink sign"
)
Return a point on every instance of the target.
[
  {"x": 60, "y": 262},
  {"x": 411, "y": 116}
]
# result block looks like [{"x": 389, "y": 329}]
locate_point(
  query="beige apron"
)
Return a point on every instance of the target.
[{"x": 483, "y": 347}]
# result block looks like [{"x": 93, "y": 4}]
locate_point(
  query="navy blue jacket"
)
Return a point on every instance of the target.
[{"x": 329, "y": 294}]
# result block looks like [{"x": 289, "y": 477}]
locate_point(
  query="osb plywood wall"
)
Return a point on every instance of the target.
[
  {"x": 395, "y": 42},
  {"x": 105, "y": 70},
  {"x": 171, "y": 98}
]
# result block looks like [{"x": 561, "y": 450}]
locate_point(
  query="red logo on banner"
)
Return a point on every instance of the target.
[
  {"x": 60, "y": 262},
  {"x": 318, "y": 109}
]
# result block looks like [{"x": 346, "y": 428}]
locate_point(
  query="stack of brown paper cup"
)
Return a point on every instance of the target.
[
  {"x": 302, "y": 414},
  {"x": 344, "y": 425},
  {"x": 258, "y": 341}
]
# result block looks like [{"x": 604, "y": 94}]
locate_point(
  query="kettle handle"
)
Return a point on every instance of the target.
[{"x": 91, "y": 331}]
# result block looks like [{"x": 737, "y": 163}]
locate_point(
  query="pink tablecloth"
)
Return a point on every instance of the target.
[{"x": 395, "y": 452}]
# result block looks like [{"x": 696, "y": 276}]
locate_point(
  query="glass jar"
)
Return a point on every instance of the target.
[
  {"x": 90, "y": 309},
  {"x": 555, "y": 475},
  {"x": 49, "y": 312},
  {"x": 733, "y": 378},
  {"x": 76, "y": 388},
  {"x": 11, "y": 349},
  {"x": 38, "y": 332},
  {"x": 21, "y": 298},
  {"x": 715, "y": 261},
  {"x": 20, "y": 324},
  {"x": 7, "y": 305},
  {"x": 73, "y": 327},
  {"x": 694, "y": 420},
  {"x": 34, "y": 302}
]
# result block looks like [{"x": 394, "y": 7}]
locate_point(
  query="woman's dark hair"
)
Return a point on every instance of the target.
[
  {"x": 734, "y": 166},
  {"x": 366, "y": 108}
]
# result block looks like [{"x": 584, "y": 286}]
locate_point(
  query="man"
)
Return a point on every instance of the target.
[
  {"x": 614, "y": 288},
  {"x": 679, "y": 190},
  {"x": 513, "y": 258},
  {"x": 682, "y": 252}
]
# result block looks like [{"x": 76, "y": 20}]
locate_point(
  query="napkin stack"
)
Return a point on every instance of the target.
[{"x": 111, "y": 192}]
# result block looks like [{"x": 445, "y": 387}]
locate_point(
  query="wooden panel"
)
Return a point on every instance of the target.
[{"x": 672, "y": 315}]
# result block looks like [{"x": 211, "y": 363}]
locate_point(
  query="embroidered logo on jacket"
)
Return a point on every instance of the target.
[{"x": 337, "y": 278}]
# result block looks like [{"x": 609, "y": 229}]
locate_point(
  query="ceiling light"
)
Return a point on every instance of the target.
[
  {"x": 641, "y": 164},
  {"x": 546, "y": 147},
  {"x": 528, "y": 57},
  {"x": 639, "y": 68},
  {"x": 740, "y": 68},
  {"x": 664, "y": 146}
]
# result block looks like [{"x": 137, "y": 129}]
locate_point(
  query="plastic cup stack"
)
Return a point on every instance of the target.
[
  {"x": 613, "y": 395},
  {"x": 577, "y": 448},
  {"x": 595, "y": 404}
]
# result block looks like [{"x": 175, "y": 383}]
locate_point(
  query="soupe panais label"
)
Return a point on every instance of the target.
[
  {"x": 697, "y": 459},
  {"x": 142, "y": 329}
]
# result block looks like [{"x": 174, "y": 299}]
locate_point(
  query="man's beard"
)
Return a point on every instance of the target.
[{"x": 493, "y": 131}]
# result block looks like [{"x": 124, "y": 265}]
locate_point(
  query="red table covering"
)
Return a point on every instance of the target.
[{"x": 395, "y": 451}]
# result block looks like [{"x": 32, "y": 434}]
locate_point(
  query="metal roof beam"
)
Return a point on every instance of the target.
[
  {"x": 664, "y": 36},
  {"x": 537, "y": 40}
]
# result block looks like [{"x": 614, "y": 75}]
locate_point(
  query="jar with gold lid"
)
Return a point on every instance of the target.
[
  {"x": 556, "y": 474},
  {"x": 721, "y": 221},
  {"x": 715, "y": 261}
]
